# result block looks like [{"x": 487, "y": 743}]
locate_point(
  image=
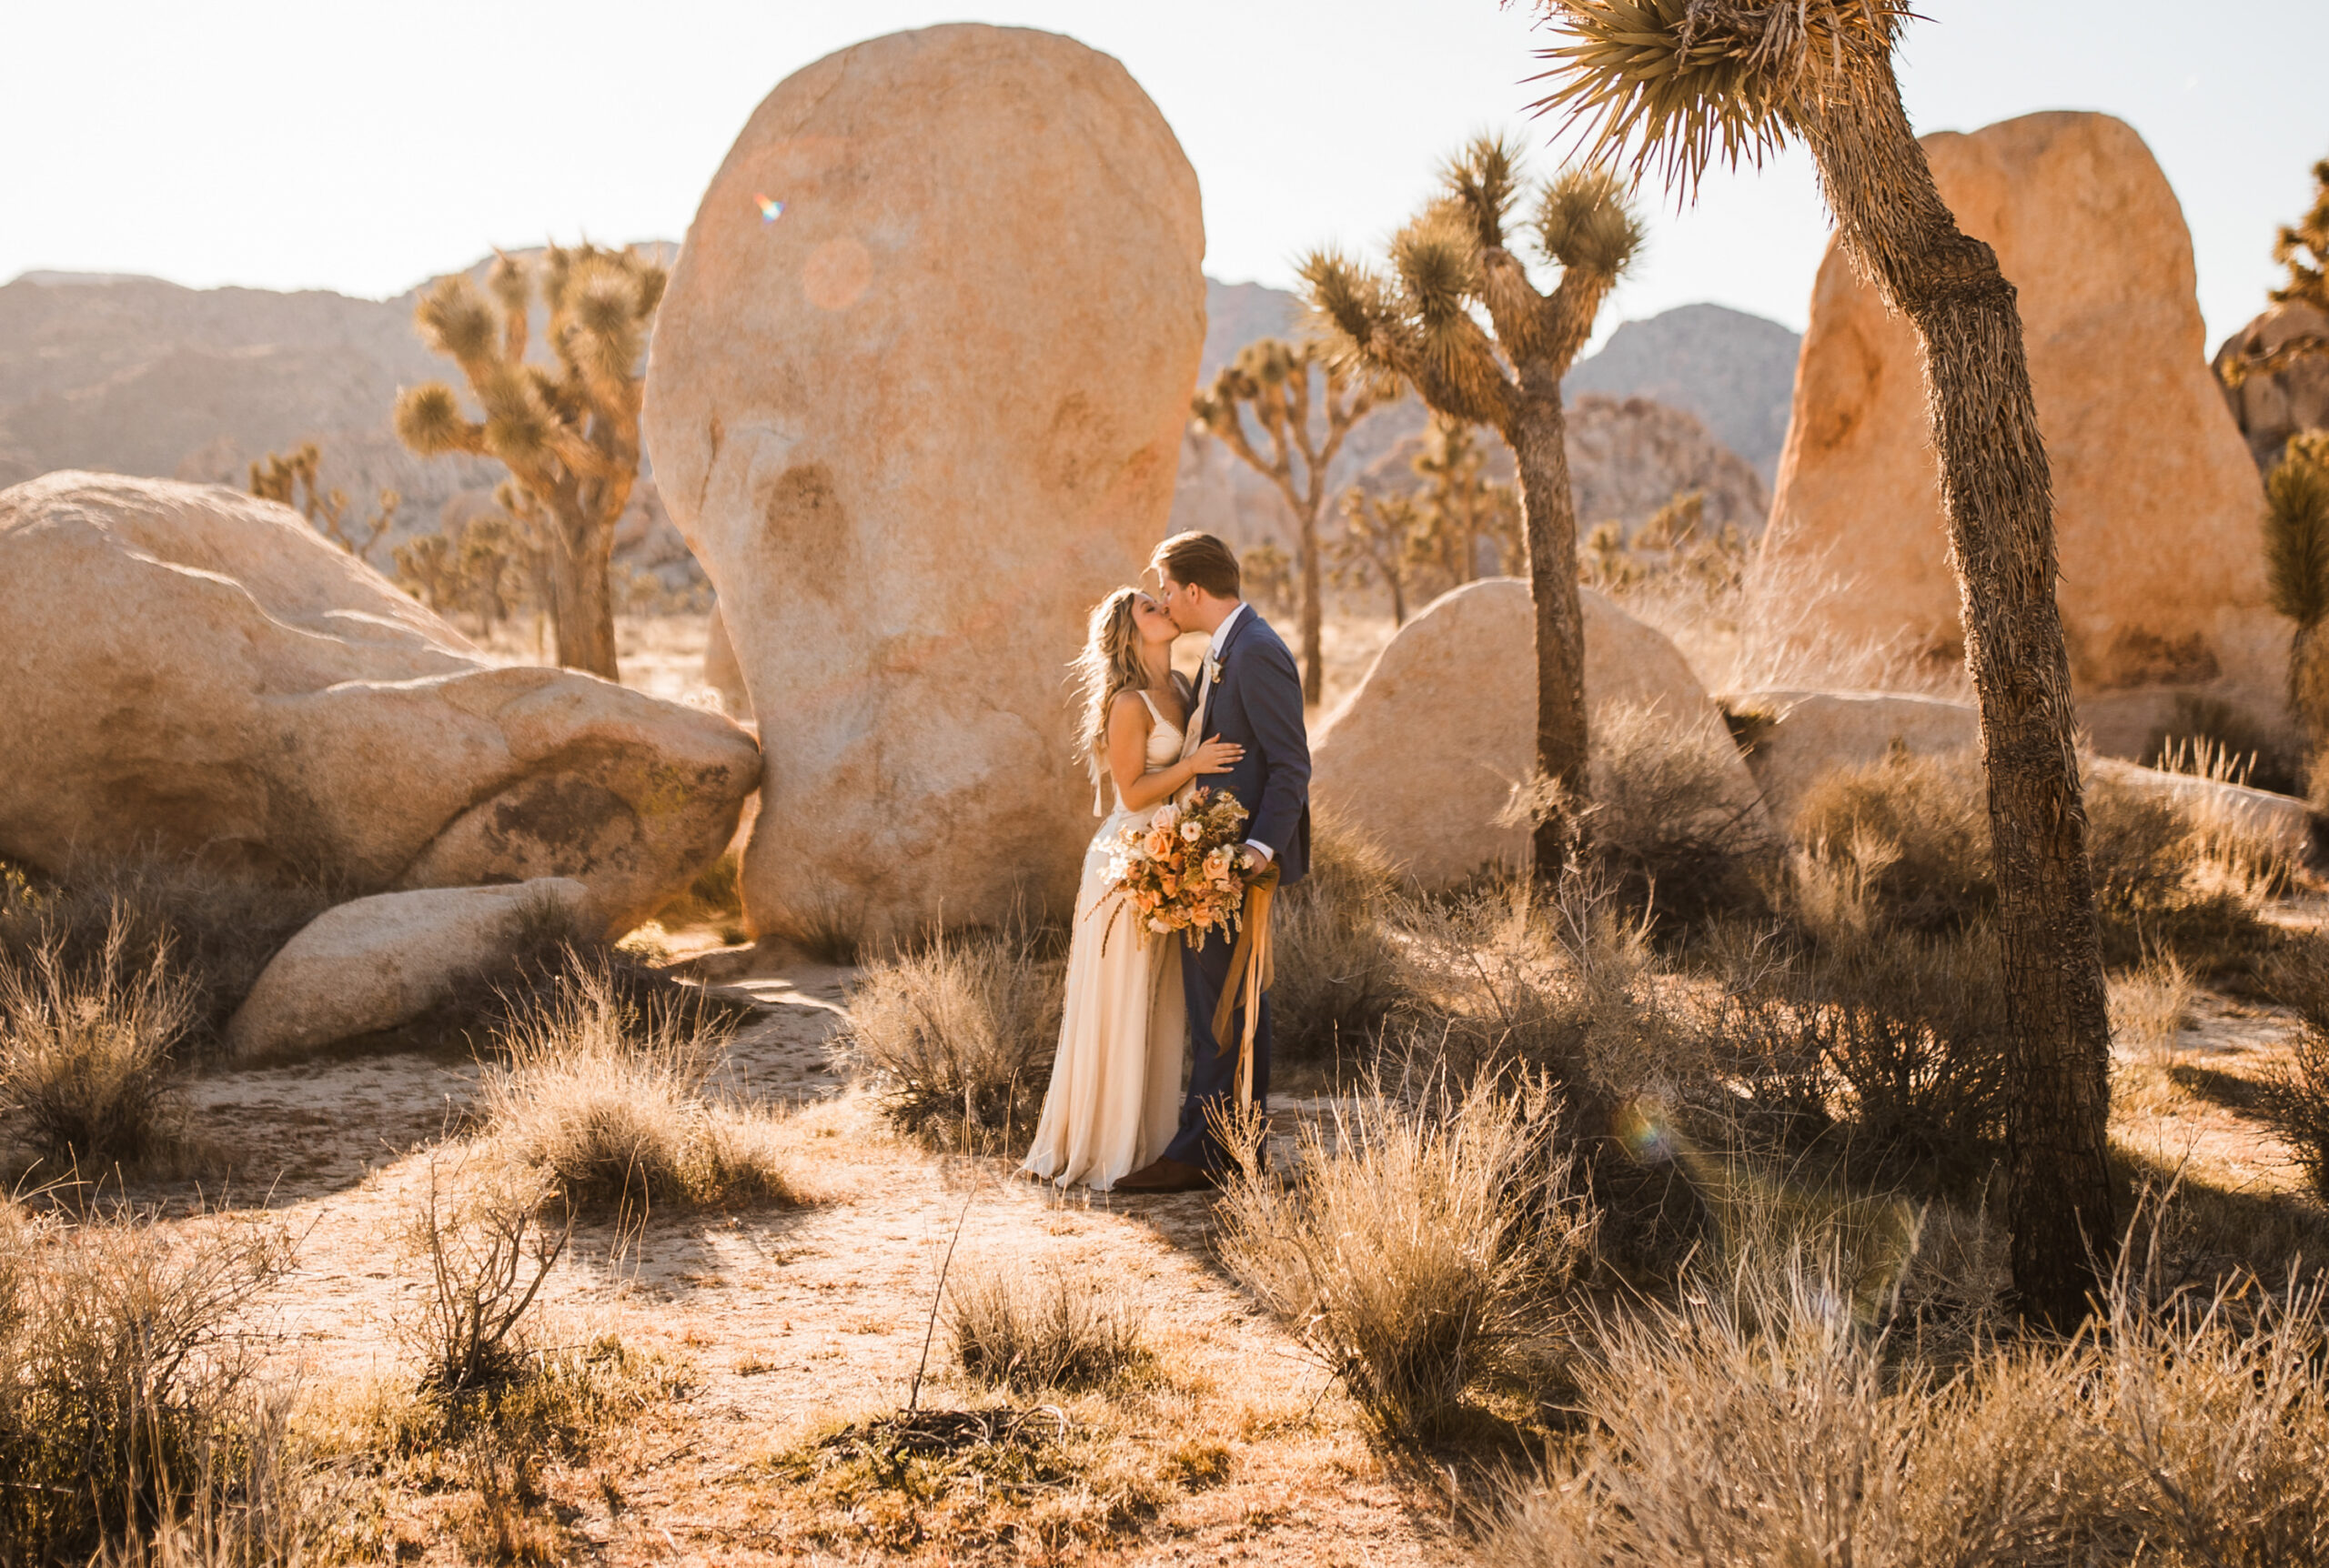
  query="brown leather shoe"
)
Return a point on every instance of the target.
[{"x": 1168, "y": 1175}]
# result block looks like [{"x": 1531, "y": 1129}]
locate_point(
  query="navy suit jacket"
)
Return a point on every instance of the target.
[{"x": 1257, "y": 704}]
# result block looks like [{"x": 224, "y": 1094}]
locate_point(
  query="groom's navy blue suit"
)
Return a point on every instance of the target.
[{"x": 1255, "y": 704}]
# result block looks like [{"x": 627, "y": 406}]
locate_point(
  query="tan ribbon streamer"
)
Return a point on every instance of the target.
[{"x": 1250, "y": 971}]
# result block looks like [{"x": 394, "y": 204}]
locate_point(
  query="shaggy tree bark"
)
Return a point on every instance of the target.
[
  {"x": 1539, "y": 434},
  {"x": 1997, "y": 498}
]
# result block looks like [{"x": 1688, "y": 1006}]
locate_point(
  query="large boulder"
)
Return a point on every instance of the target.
[
  {"x": 372, "y": 964},
  {"x": 914, "y": 426},
  {"x": 188, "y": 668},
  {"x": 1424, "y": 757},
  {"x": 2155, "y": 497}
]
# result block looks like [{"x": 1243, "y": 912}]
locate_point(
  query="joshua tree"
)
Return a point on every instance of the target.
[
  {"x": 1670, "y": 82},
  {"x": 1274, "y": 379},
  {"x": 292, "y": 480},
  {"x": 1381, "y": 540},
  {"x": 2296, "y": 563},
  {"x": 1419, "y": 324},
  {"x": 1463, "y": 506},
  {"x": 568, "y": 432}
]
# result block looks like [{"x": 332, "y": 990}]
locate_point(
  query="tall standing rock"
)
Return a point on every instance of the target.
[
  {"x": 2156, "y": 500},
  {"x": 915, "y": 425}
]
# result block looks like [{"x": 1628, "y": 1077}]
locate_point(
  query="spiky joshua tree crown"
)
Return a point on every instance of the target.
[{"x": 1420, "y": 321}]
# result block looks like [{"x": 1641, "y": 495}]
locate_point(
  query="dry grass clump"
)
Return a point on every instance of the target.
[
  {"x": 90, "y": 1048},
  {"x": 1054, "y": 1330},
  {"x": 218, "y": 929},
  {"x": 132, "y": 1422},
  {"x": 1760, "y": 1420},
  {"x": 2150, "y": 1005},
  {"x": 1909, "y": 835},
  {"x": 1673, "y": 827},
  {"x": 606, "y": 1098},
  {"x": 1424, "y": 1250},
  {"x": 1338, "y": 964},
  {"x": 957, "y": 1037}
]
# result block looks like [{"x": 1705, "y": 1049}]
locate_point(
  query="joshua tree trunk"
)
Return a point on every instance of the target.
[
  {"x": 1997, "y": 498},
  {"x": 581, "y": 605},
  {"x": 1548, "y": 516},
  {"x": 1313, "y": 603}
]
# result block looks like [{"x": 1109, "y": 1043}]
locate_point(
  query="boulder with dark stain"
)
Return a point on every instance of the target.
[{"x": 185, "y": 668}]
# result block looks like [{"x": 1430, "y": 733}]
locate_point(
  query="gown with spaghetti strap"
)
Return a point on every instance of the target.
[{"x": 1114, "y": 1099}]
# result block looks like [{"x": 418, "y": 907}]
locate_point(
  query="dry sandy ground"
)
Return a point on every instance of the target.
[{"x": 787, "y": 1321}]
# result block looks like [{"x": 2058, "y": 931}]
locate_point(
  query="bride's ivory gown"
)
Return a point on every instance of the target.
[{"x": 1114, "y": 1101}]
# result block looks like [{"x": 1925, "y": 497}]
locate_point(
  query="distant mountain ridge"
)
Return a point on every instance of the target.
[{"x": 1733, "y": 370}]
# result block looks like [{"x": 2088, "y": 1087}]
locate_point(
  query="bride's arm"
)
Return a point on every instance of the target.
[{"x": 1129, "y": 723}]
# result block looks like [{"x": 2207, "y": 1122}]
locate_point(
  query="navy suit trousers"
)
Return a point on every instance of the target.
[{"x": 1213, "y": 1070}]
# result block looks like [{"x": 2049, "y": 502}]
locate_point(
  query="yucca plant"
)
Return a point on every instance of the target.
[
  {"x": 1421, "y": 322},
  {"x": 1674, "y": 84},
  {"x": 568, "y": 431},
  {"x": 2297, "y": 568},
  {"x": 1281, "y": 384}
]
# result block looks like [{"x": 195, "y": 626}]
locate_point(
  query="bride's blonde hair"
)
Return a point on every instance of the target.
[{"x": 1109, "y": 665}]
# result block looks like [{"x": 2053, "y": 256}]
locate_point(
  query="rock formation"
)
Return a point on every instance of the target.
[
  {"x": 187, "y": 668},
  {"x": 2156, "y": 500},
  {"x": 914, "y": 427},
  {"x": 1795, "y": 739},
  {"x": 372, "y": 964},
  {"x": 1735, "y": 371},
  {"x": 1424, "y": 755},
  {"x": 2271, "y": 405}
]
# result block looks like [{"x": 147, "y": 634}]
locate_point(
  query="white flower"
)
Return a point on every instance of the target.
[
  {"x": 1167, "y": 815},
  {"x": 1192, "y": 831}
]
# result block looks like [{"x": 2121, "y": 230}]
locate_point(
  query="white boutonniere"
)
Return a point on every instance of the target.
[{"x": 1213, "y": 669}]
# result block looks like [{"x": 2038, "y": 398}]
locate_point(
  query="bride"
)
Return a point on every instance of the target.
[{"x": 1114, "y": 1099}]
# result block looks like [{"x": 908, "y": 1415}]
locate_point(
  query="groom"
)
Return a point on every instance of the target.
[{"x": 1250, "y": 694}]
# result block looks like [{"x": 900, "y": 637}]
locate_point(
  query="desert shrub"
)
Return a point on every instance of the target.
[
  {"x": 1565, "y": 985},
  {"x": 131, "y": 1419},
  {"x": 88, "y": 1047},
  {"x": 1427, "y": 1247},
  {"x": 957, "y": 1037},
  {"x": 219, "y": 929},
  {"x": 606, "y": 1101},
  {"x": 1337, "y": 959},
  {"x": 1757, "y": 1421},
  {"x": 1909, "y": 833},
  {"x": 2295, "y": 1099},
  {"x": 1906, "y": 838},
  {"x": 1671, "y": 830},
  {"x": 1051, "y": 1331}
]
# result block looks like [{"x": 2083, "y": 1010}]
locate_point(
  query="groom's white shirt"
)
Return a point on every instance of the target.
[{"x": 1204, "y": 690}]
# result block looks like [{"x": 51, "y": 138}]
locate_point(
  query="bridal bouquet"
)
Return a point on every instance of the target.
[{"x": 1179, "y": 868}]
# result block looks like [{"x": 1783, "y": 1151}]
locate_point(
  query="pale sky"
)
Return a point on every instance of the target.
[{"x": 361, "y": 145}]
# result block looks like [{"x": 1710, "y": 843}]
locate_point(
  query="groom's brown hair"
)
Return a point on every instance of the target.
[{"x": 1201, "y": 561}]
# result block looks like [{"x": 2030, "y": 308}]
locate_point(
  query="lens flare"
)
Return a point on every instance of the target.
[
  {"x": 770, "y": 208},
  {"x": 1645, "y": 1134}
]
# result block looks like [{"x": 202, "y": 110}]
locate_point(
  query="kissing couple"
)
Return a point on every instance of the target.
[{"x": 1116, "y": 1117}]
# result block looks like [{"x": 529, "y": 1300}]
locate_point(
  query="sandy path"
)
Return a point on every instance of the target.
[{"x": 791, "y": 1319}]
